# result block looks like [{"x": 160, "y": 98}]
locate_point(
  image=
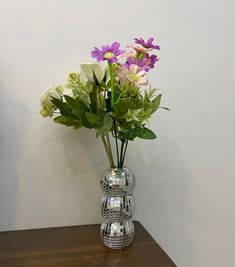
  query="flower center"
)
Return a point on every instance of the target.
[
  {"x": 132, "y": 77},
  {"x": 108, "y": 55}
]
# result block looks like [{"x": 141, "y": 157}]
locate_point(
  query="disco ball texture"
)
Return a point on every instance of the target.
[{"x": 117, "y": 208}]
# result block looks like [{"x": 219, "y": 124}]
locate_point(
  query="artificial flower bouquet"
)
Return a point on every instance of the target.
[{"x": 109, "y": 98}]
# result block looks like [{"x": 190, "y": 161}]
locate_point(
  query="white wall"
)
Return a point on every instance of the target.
[{"x": 49, "y": 174}]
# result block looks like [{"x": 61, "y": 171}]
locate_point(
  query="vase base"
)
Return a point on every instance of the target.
[{"x": 117, "y": 235}]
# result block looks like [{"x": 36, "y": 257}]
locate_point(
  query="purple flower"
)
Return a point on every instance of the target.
[
  {"x": 150, "y": 61},
  {"x": 145, "y": 64},
  {"x": 148, "y": 44},
  {"x": 107, "y": 52},
  {"x": 135, "y": 61}
]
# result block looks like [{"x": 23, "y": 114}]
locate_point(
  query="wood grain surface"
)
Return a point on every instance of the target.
[{"x": 78, "y": 246}]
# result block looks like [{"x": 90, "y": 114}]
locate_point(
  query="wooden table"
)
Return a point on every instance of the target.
[{"x": 77, "y": 246}]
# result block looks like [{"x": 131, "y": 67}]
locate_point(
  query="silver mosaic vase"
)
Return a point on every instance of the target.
[{"x": 117, "y": 208}]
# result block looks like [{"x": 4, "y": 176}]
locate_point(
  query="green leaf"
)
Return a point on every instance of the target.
[
  {"x": 84, "y": 97},
  {"x": 88, "y": 87},
  {"x": 149, "y": 94},
  {"x": 140, "y": 132},
  {"x": 123, "y": 106},
  {"x": 156, "y": 102},
  {"x": 81, "y": 96},
  {"x": 128, "y": 135},
  {"x": 70, "y": 100},
  {"x": 146, "y": 133},
  {"x": 107, "y": 124},
  {"x": 62, "y": 106},
  {"x": 79, "y": 110},
  {"x": 105, "y": 77},
  {"x": 93, "y": 99},
  {"x": 79, "y": 90},
  {"x": 68, "y": 121},
  {"x": 93, "y": 119}
]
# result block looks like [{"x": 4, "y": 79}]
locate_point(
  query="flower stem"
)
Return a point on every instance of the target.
[
  {"x": 108, "y": 152},
  {"x": 121, "y": 156},
  {"x": 111, "y": 74},
  {"x": 109, "y": 145},
  {"x": 115, "y": 135},
  {"x": 124, "y": 154}
]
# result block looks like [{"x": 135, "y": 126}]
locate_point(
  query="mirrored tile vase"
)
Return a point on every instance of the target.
[{"x": 117, "y": 207}]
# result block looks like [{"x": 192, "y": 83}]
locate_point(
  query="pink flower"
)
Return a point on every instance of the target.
[
  {"x": 129, "y": 54},
  {"x": 143, "y": 47},
  {"x": 132, "y": 75},
  {"x": 139, "y": 48}
]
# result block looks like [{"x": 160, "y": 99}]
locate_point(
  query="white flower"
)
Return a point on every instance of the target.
[
  {"x": 87, "y": 70},
  {"x": 47, "y": 95},
  {"x": 47, "y": 107}
]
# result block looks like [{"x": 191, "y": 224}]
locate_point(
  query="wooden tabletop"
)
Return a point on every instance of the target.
[{"x": 77, "y": 246}]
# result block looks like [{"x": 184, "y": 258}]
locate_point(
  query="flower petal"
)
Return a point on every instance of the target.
[
  {"x": 115, "y": 46},
  {"x": 47, "y": 96},
  {"x": 142, "y": 81},
  {"x": 140, "y": 73},
  {"x": 149, "y": 42},
  {"x": 133, "y": 68},
  {"x": 89, "y": 69},
  {"x": 105, "y": 48}
]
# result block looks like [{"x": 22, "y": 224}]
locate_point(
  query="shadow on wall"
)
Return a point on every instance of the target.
[
  {"x": 11, "y": 132},
  {"x": 88, "y": 155},
  {"x": 162, "y": 174},
  {"x": 85, "y": 158}
]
